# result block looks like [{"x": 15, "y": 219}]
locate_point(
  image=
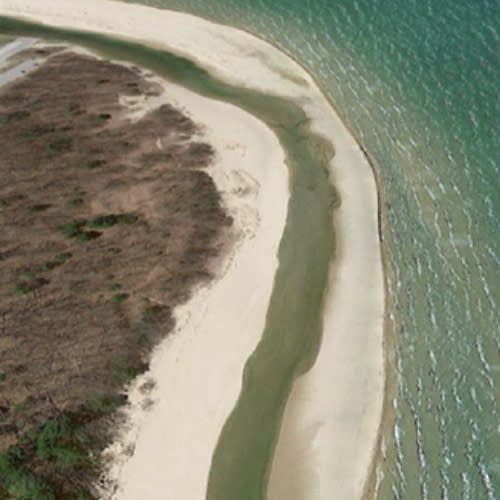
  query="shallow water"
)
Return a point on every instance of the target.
[{"x": 417, "y": 82}]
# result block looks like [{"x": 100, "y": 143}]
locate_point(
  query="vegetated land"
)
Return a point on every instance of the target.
[{"x": 104, "y": 229}]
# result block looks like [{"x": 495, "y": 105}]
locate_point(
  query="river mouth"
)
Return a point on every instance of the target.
[{"x": 292, "y": 334}]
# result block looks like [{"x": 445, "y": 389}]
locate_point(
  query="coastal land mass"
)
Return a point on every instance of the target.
[
  {"x": 325, "y": 423},
  {"x": 108, "y": 221}
]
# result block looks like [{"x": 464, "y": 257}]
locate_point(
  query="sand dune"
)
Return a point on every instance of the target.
[{"x": 331, "y": 421}]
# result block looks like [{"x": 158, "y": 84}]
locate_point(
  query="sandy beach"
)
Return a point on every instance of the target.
[
  {"x": 198, "y": 369},
  {"x": 329, "y": 432}
]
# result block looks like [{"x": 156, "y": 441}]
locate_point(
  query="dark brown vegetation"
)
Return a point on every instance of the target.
[{"x": 102, "y": 234}]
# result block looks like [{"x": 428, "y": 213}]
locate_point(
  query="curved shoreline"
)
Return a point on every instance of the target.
[
  {"x": 389, "y": 334},
  {"x": 321, "y": 123}
]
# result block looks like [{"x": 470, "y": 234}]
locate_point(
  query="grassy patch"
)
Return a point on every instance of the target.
[
  {"x": 119, "y": 298},
  {"x": 38, "y": 131},
  {"x": 23, "y": 288},
  {"x": 59, "y": 441},
  {"x": 74, "y": 229},
  {"x": 63, "y": 257},
  {"x": 39, "y": 207},
  {"x": 46, "y": 266},
  {"x": 18, "y": 482},
  {"x": 127, "y": 367},
  {"x": 6, "y": 118},
  {"x": 107, "y": 404},
  {"x": 76, "y": 198},
  {"x": 151, "y": 312},
  {"x": 107, "y": 221},
  {"x": 84, "y": 236},
  {"x": 58, "y": 260},
  {"x": 100, "y": 118},
  {"x": 74, "y": 109},
  {"x": 27, "y": 274},
  {"x": 53, "y": 460},
  {"x": 75, "y": 202},
  {"x": 60, "y": 145},
  {"x": 93, "y": 164},
  {"x": 71, "y": 229}
]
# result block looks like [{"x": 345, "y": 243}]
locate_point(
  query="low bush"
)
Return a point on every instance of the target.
[
  {"x": 71, "y": 229},
  {"x": 119, "y": 298},
  {"x": 23, "y": 288},
  {"x": 107, "y": 221}
]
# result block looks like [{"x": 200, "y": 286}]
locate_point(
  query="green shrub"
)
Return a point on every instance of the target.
[
  {"x": 60, "y": 145},
  {"x": 87, "y": 236},
  {"x": 71, "y": 229},
  {"x": 93, "y": 164},
  {"x": 40, "y": 207},
  {"x": 151, "y": 312},
  {"x": 22, "y": 485},
  {"x": 99, "y": 118},
  {"x": 29, "y": 275},
  {"x": 16, "y": 115},
  {"x": 52, "y": 439},
  {"x": 119, "y": 298},
  {"x": 106, "y": 404},
  {"x": 58, "y": 260},
  {"x": 46, "y": 266},
  {"x": 128, "y": 366},
  {"x": 23, "y": 288},
  {"x": 17, "y": 481},
  {"x": 75, "y": 202},
  {"x": 63, "y": 257},
  {"x": 74, "y": 109},
  {"x": 107, "y": 221},
  {"x": 103, "y": 222}
]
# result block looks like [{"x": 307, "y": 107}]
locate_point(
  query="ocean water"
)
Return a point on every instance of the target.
[{"x": 417, "y": 81}]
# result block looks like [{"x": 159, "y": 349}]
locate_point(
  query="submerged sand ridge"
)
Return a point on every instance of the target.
[{"x": 234, "y": 56}]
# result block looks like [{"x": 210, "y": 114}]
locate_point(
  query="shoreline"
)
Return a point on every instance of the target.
[
  {"x": 182, "y": 365},
  {"x": 322, "y": 123},
  {"x": 389, "y": 340}
]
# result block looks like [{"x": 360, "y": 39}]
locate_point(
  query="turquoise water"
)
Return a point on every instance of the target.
[{"x": 417, "y": 81}]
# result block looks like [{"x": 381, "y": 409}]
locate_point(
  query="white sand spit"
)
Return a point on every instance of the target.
[{"x": 327, "y": 439}]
